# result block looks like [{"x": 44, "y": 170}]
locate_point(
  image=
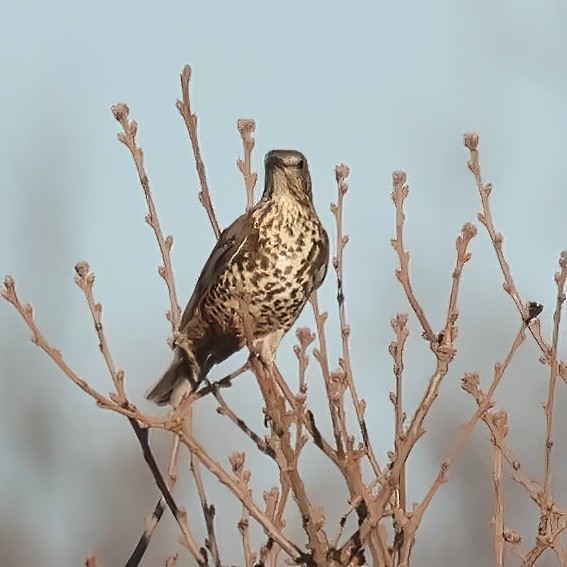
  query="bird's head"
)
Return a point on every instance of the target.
[{"x": 287, "y": 172}]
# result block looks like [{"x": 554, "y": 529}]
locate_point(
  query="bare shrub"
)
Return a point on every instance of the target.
[{"x": 385, "y": 524}]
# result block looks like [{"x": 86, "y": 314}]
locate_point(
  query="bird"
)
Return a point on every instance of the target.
[{"x": 275, "y": 255}]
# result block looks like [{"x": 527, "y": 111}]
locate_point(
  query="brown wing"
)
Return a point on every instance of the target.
[
  {"x": 229, "y": 243},
  {"x": 321, "y": 261}
]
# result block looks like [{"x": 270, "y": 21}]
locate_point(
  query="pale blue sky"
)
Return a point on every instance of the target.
[{"x": 379, "y": 86}]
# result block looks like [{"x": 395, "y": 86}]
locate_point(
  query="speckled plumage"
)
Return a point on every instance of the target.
[{"x": 276, "y": 255}]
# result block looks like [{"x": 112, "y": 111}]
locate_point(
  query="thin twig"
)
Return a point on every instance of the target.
[
  {"x": 322, "y": 358},
  {"x": 341, "y": 174},
  {"x": 152, "y": 522},
  {"x": 305, "y": 338},
  {"x": 557, "y": 517},
  {"x": 286, "y": 456},
  {"x": 287, "y": 459},
  {"x": 237, "y": 460},
  {"x": 179, "y": 514},
  {"x": 307, "y": 418},
  {"x": 234, "y": 486},
  {"x": 184, "y": 107},
  {"x": 85, "y": 280},
  {"x": 468, "y": 232},
  {"x": 26, "y": 311},
  {"x": 224, "y": 382},
  {"x": 128, "y": 138},
  {"x": 406, "y": 524},
  {"x": 498, "y": 519},
  {"x": 400, "y": 327},
  {"x": 560, "y": 278},
  {"x": 444, "y": 350},
  {"x": 484, "y": 401},
  {"x": 471, "y": 141},
  {"x": 348, "y": 459},
  {"x": 225, "y": 409},
  {"x": 247, "y": 128},
  {"x": 208, "y": 509},
  {"x": 143, "y": 543},
  {"x": 399, "y": 194},
  {"x": 414, "y": 432},
  {"x": 270, "y": 550},
  {"x": 554, "y": 518}
]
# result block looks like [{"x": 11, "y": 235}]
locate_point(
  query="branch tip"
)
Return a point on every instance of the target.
[
  {"x": 246, "y": 126},
  {"x": 186, "y": 74},
  {"x": 9, "y": 283},
  {"x": 399, "y": 177},
  {"x": 471, "y": 140},
  {"x": 342, "y": 171},
  {"x": 121, "y": 113},
  {"x": 83, "y": 269}
]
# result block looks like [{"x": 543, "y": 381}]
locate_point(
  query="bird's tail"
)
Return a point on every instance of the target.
[{"x": 175, "y": 382}]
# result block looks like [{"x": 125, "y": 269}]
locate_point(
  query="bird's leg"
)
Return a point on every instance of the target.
[
  {"x": 180, "y": 394},
  {"x": 267, "y": 346}
]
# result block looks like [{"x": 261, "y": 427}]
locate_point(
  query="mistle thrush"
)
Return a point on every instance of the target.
[{"x": 274, "y": 256}]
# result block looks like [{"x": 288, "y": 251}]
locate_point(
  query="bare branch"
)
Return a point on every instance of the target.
[
  {"x": 468, "y": 232},
  {"x": 237, "y": 462},
  {"x": 287, "y": 459},
  {"x": 184, "y": 107},
  {"x": 560, "y": 278},
  {"x": 322, "y": 358},
  {"x": 208, "y": 509},
  {"x": 85, "y": 280},
  {"x": 399, "y": 195},
  {"x": 179, "y": 514},
  {"x": 498, "y": 519},
  {"x": 341, "y": 173},
  {"x": 26, "y": 311},
  {"x": 247, "y": 128},
  {"x": 128, "y": 138},
  {"x": 400, "y": 327},
  {"x": 235, "y": 487},
  {"x": 471, "y": 141},
  {"x": 124, "y": 407}
]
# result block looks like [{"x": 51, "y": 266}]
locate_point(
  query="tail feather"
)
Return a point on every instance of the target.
[{"x": 176, "y": 380}]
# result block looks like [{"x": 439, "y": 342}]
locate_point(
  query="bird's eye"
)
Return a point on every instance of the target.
[{"x": 300, "y": 164}]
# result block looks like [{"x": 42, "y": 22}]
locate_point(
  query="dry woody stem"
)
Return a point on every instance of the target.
[
  {"x": 247, "y": 128},
  {"x": 184, "y": 107},
  {"x": 128, "y": 138}
]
